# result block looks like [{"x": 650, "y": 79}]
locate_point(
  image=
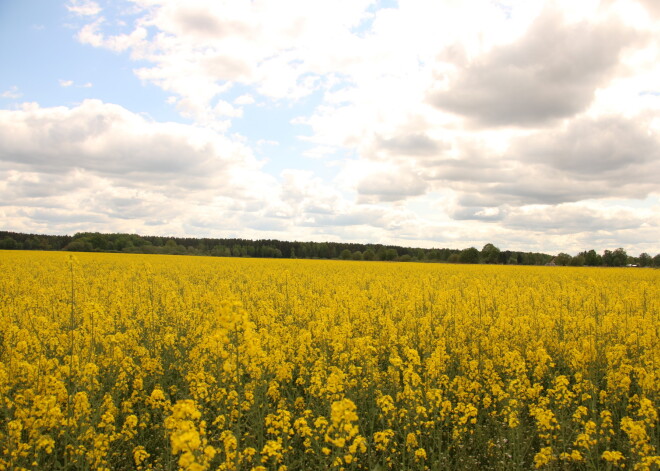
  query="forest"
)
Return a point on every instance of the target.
[{"x": 271, "y": 248}]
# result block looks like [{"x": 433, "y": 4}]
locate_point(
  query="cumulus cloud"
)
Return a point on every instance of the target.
[
  {"x": 572, "y": 219},
  {"x": 479, "y": 213},
  {"x": 550, "y": 73},
  {"x": 595, "y": 147},
  {"x": 111, "y": 141},
  {"x": 119, "y": 165},
  {"x": 83, "y": 7},
  {"x": 413, "y": 144},
  {"x": 391, "y": 185},
  {"x": 12, "y": 93},
  {"x": 651, "y": 6}
]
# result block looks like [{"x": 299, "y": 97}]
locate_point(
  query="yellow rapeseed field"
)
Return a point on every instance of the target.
[{"x": 148, "y": 362}]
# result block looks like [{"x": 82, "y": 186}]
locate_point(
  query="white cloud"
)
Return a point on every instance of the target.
[
  {"x": 65, "y": 83},
  {"x": 83, "y": 7},
  {"x": 12, "y": 93},
  {"x": 119, "y": 165},
  {"x": 245, "y": 99},
  {"x": 550, "y": 73}
]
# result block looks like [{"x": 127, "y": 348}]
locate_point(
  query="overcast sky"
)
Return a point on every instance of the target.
[{"x": 531, "y": 124}]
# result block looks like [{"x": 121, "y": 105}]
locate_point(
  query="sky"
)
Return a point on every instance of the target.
[{"x": 530, "y": 124}]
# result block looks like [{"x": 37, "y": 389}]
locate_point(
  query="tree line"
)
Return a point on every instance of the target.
[{"x": 271, "y": 248}]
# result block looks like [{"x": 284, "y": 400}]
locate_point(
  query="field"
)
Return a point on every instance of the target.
[{"x": 150, "y": 362}]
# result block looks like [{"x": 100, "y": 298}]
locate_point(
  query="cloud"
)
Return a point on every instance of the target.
[
  {"x": 612, "y": 147},
  {"x": 101, "y": 159},
  {"x": 199, "y": 48},
  {"x": 12, "y": 93},
  {"x": 550, "y": 73},
  {"x": 245, "y": 99},
  {"x": 374, "y": 217},
  {"x": 573, "y": 219},
  {"x": 113, "y": 142},
  {"x": 652, "y": 6},
  {"x": 479, "y": 214},
  {"x": 391, "y": 185},
  {"x": 83, "y": 7},
  {"x": 71, "y": 83},
  {"x": 413, "y": 144}
]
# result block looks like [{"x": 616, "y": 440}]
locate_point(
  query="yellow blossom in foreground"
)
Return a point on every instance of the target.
[{"x": 109, "y": 361}]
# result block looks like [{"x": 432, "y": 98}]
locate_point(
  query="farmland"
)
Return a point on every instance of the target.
[{"x": 153, "y": 362}]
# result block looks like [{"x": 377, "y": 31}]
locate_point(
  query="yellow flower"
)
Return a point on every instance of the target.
[
  {"x": 613, "y": 456},
  {"x": 139, "y": 455}
]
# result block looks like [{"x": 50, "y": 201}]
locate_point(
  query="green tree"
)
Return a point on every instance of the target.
[
  {"x": 645, "y": 260},
  {"x": 490, "y": 254},
  {"x": 346, "y": 254},
  {"x": 577, "y": 261},
  {"x": 656, "y": 261},
  {"x": 79, "y": 245},
  {"x": 620, "y": 257},
  {"x": 390, "y": 254},
  {"x": 563, "y": 259},
  {"x": 368, "y": 255},
  {"x": 591, "y": 258},
  {"x": 470, "y": 255},
  {"x": 8, "y": 243}
]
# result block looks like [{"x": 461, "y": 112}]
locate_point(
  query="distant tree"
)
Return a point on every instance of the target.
[
  {"x": 79, "y": 245},
  {"x": 220, "y": 251},
  {"x": 405, "y": 258},
  {"x": 368, "y": 255},
  {"x": 123, "y": 242},
  {"x": 357, "y": 255},
  {"x": 591, "y": 258},
  {"x": 577, "y": 261},
  {"x": 620, "y": 258},
  {"x": 391, "y": 254},
  {"x": 490, "y": 254},
  {"x": 323, "y": 250},
  {"x": 470, "y": 255},
  {"x": 345, "y": 254},
  {"x": 172, "y": 248},
  {"x": 645, "y": 260},
  {"x": 656, "y": 261},
  {"x": 454, "y": 258},
  {"x": 563, "y": 259},
  {"x": 8, "y": 243}
]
